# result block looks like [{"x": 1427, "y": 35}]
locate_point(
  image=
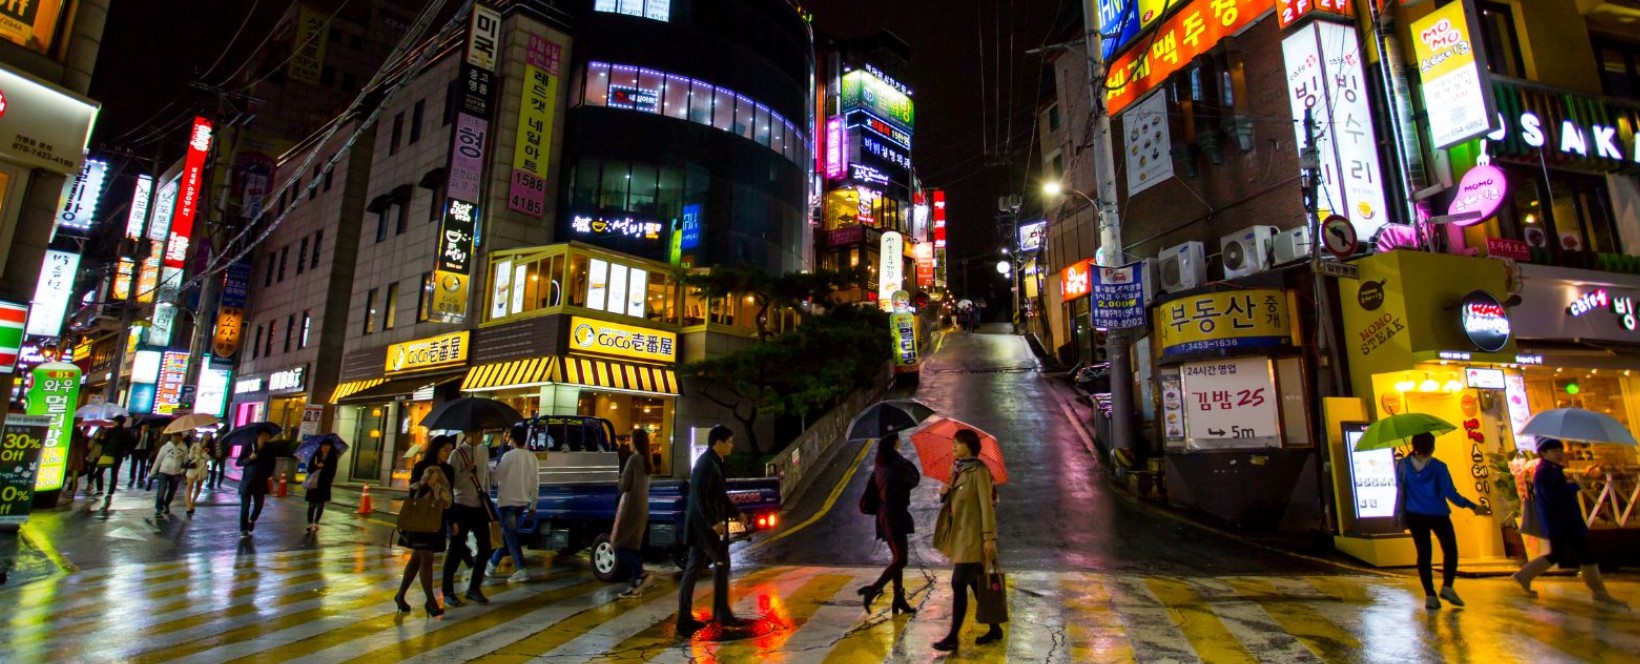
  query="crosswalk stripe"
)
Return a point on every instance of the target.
[
  {"x": 656, "y": 637},
  {"x": 754, "y": 598},
  {"x": 1540, "y": 633},
  {"x": 383, "y": 626},
  {"x": 1095, "y": 632},
  {"x": 1252, "y": 626},
  {"x": 589, "y": 592},
  {"x": 1152, "y": 628},
  {"x": 91, "y": 599},
  {"x": 879, "y": 637},
  {"x": 789, "y": 613},
  {"x": 1290, "y": 611}
]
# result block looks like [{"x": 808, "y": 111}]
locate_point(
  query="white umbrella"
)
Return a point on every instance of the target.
[
  {"x": 101, "y": 411},
  {"x": 1581, "y": 425},
  {"x": 192, "y": 421}
]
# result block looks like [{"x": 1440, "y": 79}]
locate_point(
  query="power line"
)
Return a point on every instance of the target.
[
  {"x": 297, "y": 49},
  {"x": 248, "y": 14}
]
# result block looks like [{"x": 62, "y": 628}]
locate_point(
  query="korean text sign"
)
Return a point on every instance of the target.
[
  {"x": 1254, "y": 318},
  {"x": 1450, "y": 63},
  {"x": 903, "y": 327},
  {"x": 55, "y": 394},
  {"x": 1190, "y": 32},
  {"x": 1231, "y": 403},
  {"x": 534, "y": 134},
  {"x": 1075, "y": 280},
  {"x": 1325, "y": 78},
  {"x": 20, "y": 447},
  {"x": 1118, "y": 296}
]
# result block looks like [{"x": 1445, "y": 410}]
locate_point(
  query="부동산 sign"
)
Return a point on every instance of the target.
[
  {"x": 1253, "y": 318},
  {"x": 1118, "y": 297}
]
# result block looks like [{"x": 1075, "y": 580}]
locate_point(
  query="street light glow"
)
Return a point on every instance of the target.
[
  {"x": 1003, "y": 267},
  {"x": 1053, "y": 188}
]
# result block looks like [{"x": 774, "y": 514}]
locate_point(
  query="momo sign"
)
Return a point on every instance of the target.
[
  {"x": 1482, "y": 191},
  {"x": 639, "y": 343},
  {"x": 1450, "y": 64},
  {"x": 1485, "y": 321}
]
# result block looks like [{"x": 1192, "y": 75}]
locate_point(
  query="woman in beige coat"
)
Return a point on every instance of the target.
[
  {"x": 967, "y": 534},
  {"x": 632, "y": 514}
]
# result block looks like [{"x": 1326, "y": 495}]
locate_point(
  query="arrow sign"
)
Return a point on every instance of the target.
[{"x": 1217, "y": 433}]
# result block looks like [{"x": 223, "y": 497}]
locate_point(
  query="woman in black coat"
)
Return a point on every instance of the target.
[
  {"x": 322, "y": 470},
  {"x": 258, "y": 463},
  {"x": 892, "y": 478},
  {"x": 429, "y": 477}
]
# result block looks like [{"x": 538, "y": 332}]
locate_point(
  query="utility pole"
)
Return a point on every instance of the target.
[
  {"x": 213, "y": 206},
  {"x": 1110, "y": 252}
]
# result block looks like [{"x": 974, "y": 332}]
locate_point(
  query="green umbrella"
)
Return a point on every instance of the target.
[{"x": 1387, "y": 433}]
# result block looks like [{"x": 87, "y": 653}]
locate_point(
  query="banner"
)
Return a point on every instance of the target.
[
  {"x": 1148, "y": 148},
  {"x": 1325, "y": 77},
  {"x": 1231, "y": 403},
  {"x": 20, "y": 447},
  {"x": 1118, "y": 296},
  {"x": 31, "y": 24},
  {"x": 1187, "y": 33},
  {"x": 528, "y": 193},
  {"x": 55, "y": 393},
  {"x": 903, "y": 329},
  {"x": 53, "y": 292},
  {"x": 12, "y": 317},
  {"x": 312, "y": 29}
]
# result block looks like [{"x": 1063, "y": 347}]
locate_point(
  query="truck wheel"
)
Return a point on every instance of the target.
[{"x": 605, "y": 566}]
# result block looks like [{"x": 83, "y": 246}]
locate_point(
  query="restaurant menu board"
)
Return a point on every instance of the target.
[
  {"x": 1231, "y": 403},
  {"x": 20, "y": 445},
  {"x": 1372, "y": 476}
]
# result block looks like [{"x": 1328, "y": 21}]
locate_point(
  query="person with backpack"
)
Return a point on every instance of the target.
[
  {"x": 888, "y": 498},
  {"x": 1425, "y": 486},
  {"x": 168, "y": 469}
]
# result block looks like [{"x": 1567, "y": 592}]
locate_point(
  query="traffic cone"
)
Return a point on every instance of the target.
[
  {"x": 284, "y": 488},
  {"x": 365, "y": 506}
]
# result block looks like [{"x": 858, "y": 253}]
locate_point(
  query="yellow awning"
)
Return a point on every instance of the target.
[
  {"x": 532, "y": 371},
  {"x": 347, "y": 389},
  {"x": 618, "y": 375}
]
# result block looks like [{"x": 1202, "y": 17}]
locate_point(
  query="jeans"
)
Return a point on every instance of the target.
[
  {"x": 95, "y": 479},
  {"x": 467, "y": 520},
  {"x": 219, "y": 468},
  {"x": 716, "y": 552},
  {"x": 632, "y": 559},
  {"x": 511, "y": 516},
  {"x": 166, "y": 491},
  {"x": 315, "y": 511},
  {"x": 250, "y": 507},
  {"x": 1421, "y": 525},
  {"x": 114, "y": 476}
]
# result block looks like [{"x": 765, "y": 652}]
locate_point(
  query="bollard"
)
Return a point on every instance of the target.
[{"x": 365, "y": 506}]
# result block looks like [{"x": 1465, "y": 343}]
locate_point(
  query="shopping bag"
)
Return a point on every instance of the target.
[
  {"x": 1531, "y": 522},
  {"x": 992, "y": 607}
]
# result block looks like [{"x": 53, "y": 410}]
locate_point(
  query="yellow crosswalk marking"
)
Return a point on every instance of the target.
[
  {"x": 1207, "y": 634},
  {"x": 785, "y": 615},
  {"x": 1095, "y": 632},
  {"x": 1318, "y": 634},
  {"x": 658, "y": 637},
  {"x": 469, "y": 626}
]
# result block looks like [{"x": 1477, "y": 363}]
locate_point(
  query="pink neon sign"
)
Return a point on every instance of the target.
[{"x": 1482, "y": 190}]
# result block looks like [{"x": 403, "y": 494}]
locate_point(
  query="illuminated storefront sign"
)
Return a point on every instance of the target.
[
  {"x": 1565, "y": 128},
  {"x": 1190, "y": 32},
  {"x": 639, "y": 343},
  {"x": 1290, "y": 11},
  {"x": 1031, "y": 235},
  {"x": 454, "y": 262},
  {"x": 883, "y": 151},
  {"x": 938, "y": 195},
  {"x": 165, "y": 202},
  {"x": 1450, "y": 64},
  {"x": 289, "y": 380},
  {"x": 861, "y": 89},
  {"x": 528, "y": 193},
  {"x": 890, "y": 266},
  {"x": 52, "y": 292},
  {"x": 483, "y": 37},
  {"x": 616, "y": 288},
  {"x": 1253, "y": 318},
  {"x": 1335, "y": 94},
  {"x": 835, "y": 157},
  {"x": 125, "y": 272},
  {"x": 1482, "y": 191},
  {"x": 1075, "y": 280},
  {"x": 138, "y": 216},
  {"x": 692, "y": 229},
  {"x": 1484, "y": 321},
  {"x": 31, "y": 24},
  {"x": 863, "y": 119},
  {"x": 627, "y": 227},
  {"x": 247, "y": 385},
  {"x": 187, "y": 200},
  {"x": 55, "y": 393},
  {"x": 12, "y": 316},
  {"x": 230, "y": 314},
  {"x": 80, "y": 196},
  {"x": 42, "y": 125},
  {"x": 1120, "y": 21},
  {"x": 903, "y": 328},
  {"x": 430, "y": 353},
  {"x": 173, "y": 374}
]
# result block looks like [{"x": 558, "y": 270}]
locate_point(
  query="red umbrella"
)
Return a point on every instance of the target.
[{"x": 935, "y": 442}]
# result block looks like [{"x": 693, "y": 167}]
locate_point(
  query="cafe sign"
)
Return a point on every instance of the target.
[
  {"x": 1233, "y": 320},
  {"x": 1484, "y": 321},
  {"x": 639, "y": 343},
  {"x": 430, "y": 353}
]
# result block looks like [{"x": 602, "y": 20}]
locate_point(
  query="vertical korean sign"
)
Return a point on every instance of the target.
[
  {"x": 230, "y": 317},
  {"x": 52, "y": 293},
  {"x": 20, "y": 447},
  {"x": 1450, "y": 64},
  {"x": 890, "y": 267},
  {"x": 189, "y": 188},
  {"x": 452, "y": 271},
  {"x": 903, "y": 328},
  {"x": 528, "y": 191},
  {"x": 1324, "y": 76},
  {"x": 312, "y": 28},
  {"x": 55, "y": 393}
]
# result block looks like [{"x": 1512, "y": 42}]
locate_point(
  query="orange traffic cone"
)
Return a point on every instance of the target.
[
  {"x": 284, "y": 488},
  {"x": 365, "y": 507}
]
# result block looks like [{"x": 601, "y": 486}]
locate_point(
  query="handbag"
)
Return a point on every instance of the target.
[
  {"x": 312, "y": 481},
  {"x": 992, "y": 605},
  {"x": 871, "y": 500},
  {"x": 420, "y": 514},
  {"x": 1531, "y": 520}
]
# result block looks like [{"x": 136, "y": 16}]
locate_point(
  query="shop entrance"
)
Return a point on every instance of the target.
[
  {"x": 287, "y": 412},
  {"x": 367, "y": 443}
]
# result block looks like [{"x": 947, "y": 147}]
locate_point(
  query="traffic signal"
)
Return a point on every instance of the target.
[{"x": 1101, "y": 338}]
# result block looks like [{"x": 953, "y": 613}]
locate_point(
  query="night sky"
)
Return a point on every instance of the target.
[{"x": 146, "y": 61}]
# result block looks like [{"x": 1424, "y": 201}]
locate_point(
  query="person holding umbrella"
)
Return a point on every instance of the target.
[
  {"x": 892, "y": 479},
  {"x": 470, "y": 516},
  {"x": 967, "y": 533},
  {"x": 194, "y": 469},
  {"x": 705, "y": 524},
  {"x": 1563, "y": 522},
  {"x": 258, "y": 464},
  {"x": 321, "y": 469},
  {"x": 1425, "y": 486}
]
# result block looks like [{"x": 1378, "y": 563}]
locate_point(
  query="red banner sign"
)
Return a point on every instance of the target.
[
  {"x": 1192, "y": 31},
  {"x": 1075, "y": 281},
  {"x": 1290, "y": 11},
  {"x": 939, "y": 218},
  {"x": 187, "y": 205}
]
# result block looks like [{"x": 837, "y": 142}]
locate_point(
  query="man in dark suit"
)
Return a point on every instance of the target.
[{"x": 705, "y": 524}]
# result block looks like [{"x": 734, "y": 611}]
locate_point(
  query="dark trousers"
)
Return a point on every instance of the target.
[
  {"x": 467, "y": 520},
  {"x": 114, "y": 476},
  {"x": 250, "y": 507},
  {"x": 165, "y": 492},
  {"x": 895, "y": 573},
  {"x": 632, "y": 559},
  {"x": 219, "y": 468},
  {"x": 140, "y": 464},
  {"x": 1421, "y": 525},
  {"x": 700, "y": 553},
  {"x": 316, "y": 510},
  {"x": 965, "y": 578},
  {"x": 95, "y": 479}
]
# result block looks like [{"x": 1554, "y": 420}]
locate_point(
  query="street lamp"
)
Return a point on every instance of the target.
[
  {"x": 1054, "y": 189},
  {"x": 1003, "y": 267}
]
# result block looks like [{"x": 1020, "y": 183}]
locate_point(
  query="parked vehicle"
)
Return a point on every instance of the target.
[{"x": 579, "y": 494}]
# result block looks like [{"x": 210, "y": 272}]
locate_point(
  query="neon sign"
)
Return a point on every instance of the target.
[
  {"x": 187, "y": 202},
  {"x": 1485, "y": 321},
  {"x": 861, "y": 118},
  {"x": 1600, "y": 299},
  {"x": 622, "y": 227},
  {"x": 835, "y": 158},
  {"x": 1482, "y": 191}
]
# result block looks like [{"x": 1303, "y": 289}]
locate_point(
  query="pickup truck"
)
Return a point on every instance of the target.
[{"x": 579, "y": 493}]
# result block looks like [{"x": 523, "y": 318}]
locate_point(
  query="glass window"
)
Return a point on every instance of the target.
[
  {"x": 307, "y": 329},
  {"x": 676, "y": 99},
  {"x": 641, "y": 199},
  {"x": 612, "y": 194},
  {"x": 392, "y": 306},
  {"x": 597, "y": 283},
  {"x": 1502, "y": 42},
  {"x": 651, "y": 85},
  {"x": 301, "y": 265},
  {"x": 723, "y": 109},
  {"x": 661, "y": 302},
  {"x": 318, "y": 244},
  {"x": 577, "y": 281},
  {"x": 777, "y": 135},
  {"x": 552, "y": 281},
  {"x": 669, "y": 194},
  {"x": 623, "y": 81},
  {"x": 745, "y": 117},
  {"x": 583, "y": 188},
  {"x": 424, "y": 305},
  {"x": 761, "y": 132},
  {"x": 700, "y": 103},
  {"x": 694, "y": 307},
  {"x": 597, "y": 83},
  {"x": 370, "y": 311}
]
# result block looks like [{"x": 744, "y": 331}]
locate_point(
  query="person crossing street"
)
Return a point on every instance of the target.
[
  {"x": 705, "y": 527},
  {"x": 469, "y": 517},
  {"x": 517, "y": 478}
]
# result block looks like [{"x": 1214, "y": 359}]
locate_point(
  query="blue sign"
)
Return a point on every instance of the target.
[
  {"x": 1118, "y": 24},
  {"x": 236, "y": 287},
  {"x": 692, "y": 227},
  {"x": 142, "y": 398},
  {"x": 1118, "y": 295}
]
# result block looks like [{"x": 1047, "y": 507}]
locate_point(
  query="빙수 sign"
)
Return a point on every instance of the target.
[
  {"x": 639, "y": 343},
  {"x": 1253, "y": 318}
]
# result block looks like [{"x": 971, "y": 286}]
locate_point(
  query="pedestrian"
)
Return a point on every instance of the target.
[
  {"x": 469, "y": 516},
  {"x": 967, "y": 534},
  {"x": 257, "y": 462},
  {"x": 155, "y": 442},
  {"x": 136, "y": 453},
  {"x": 705, "y": 525},
  {"x": 429, "y": 477},
  {"x": 168, "y": 469},
  {"x": 117, "y": 444},
  {"x": 1563, "y": 522},
  {"x": 219, "y": 460},
  {"x": 321, "y": 474},
  {"x": 632, "y": 514},
  {"x": 1425, "y": 486},
  {"x": 97, "y": 460},
  {"x": 892, "y": 478},
  {"x": 78, "y": 445},
  {"x": 194, "y": 470},
  {"x": 517, "y": 482}
]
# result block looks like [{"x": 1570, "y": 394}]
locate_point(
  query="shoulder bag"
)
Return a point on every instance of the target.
[
  {"x": 871, "y": 500},
  {"x": 992, "y": 605},
  {"x": 312, "y": 481},
  {"x": 483, "y": 499},
  {"x": 420, "y": 513}
]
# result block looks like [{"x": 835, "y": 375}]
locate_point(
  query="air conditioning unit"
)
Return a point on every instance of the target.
[
  {"x": 1182, "y": 267},
  {"x": 1292, "y": 245},
  {"x": 1247, "y": 251}
]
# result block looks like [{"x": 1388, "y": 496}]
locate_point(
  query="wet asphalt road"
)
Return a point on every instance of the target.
[{"x": 1057, "y": 512}]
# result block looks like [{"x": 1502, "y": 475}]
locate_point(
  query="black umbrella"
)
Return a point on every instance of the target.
[
  {"x": 917, "y": 409},
  {"x": 246, "y": 435},
  {"x": 157, "y": 420},
  {"x": 471, "y": 414},
  {"x": 881, "y": 419}
]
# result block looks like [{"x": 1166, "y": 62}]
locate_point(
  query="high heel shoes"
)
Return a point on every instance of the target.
[
  {"x": 433, "y": 610},
  {"x": 869, "y": 594},
  {"x": 902, "y": 607},
  {"x": 404, "y": 607}
]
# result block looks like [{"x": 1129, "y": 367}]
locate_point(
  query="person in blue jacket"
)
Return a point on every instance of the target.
[
  {"x": 1425, "y": 487},
  {"x": 1563, "y": 523}
]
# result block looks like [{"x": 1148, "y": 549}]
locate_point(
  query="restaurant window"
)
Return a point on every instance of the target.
[
  {"x": 1609, "y": 393},
  {"x": 1501, "y": 41},
  {"x": 641, "y": 192},
  {"x": 367, "y": 457},
  {"x": 392, "y": 313},
  {"x": 424, "y": 299},
  {"x": 1569, "y": 215},
  {"x": 661, "y": 304},
  {"x": 370, "y": 311},
  {"x": 676, "y": 104},
  {"x": 616, "y": 177},
  {"x": 307, "y": 329},
  {"x": 576, "y": 280}
]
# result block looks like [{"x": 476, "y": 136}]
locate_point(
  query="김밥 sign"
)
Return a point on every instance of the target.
[
  {"x": 1190, "y": 32},
  {"x": 1325, "y": 78},
  {"x": 1231, "y": 403},
  {"x": 1450, "y": 64},
  {"x": 1254, "y": 318},
  {"x": 639, "y": 343}
]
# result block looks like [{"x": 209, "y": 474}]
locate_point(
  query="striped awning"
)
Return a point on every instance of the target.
[
  {"x": 533, "y": 371},
  {"x": 618, "y": 375},
  {"x": 347, "y": 389}
]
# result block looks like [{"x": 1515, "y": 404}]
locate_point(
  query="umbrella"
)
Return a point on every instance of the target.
[
  {"x": 935, "y": 451},
  {"x": 245, "y": 436},
  {"x": 879, "y": 420},
  {"x": 471, "y": 414},
  {"x": 1585, "y": 426},
  {"x": 192, "y": 421},
  {"x": 919, "y": 410},
  {"x": 1387, "y": 433},
  {"x": 102, "y": 412},
  {"x": 156, "y": 420},
  {"x": 310, "y": 445}
]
